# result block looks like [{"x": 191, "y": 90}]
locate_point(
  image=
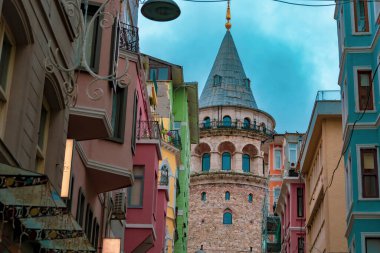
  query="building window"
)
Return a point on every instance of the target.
[
  {"x": 207, "y": 122},
  {"x": 247, "y": 82},
  {"x": 164, "y": 179},
  {"x": 369, "y": 170},
  {"x": 160, "y": 73},
  {"x": 88, "y": 225},
  {"x": 136, "y": 192},
  {"x": 95, "y": 233},
  {"x": 134, "y": 123},
  {"x": 365, "y": 90},
  {"x": 246, "y": 123},
  {"x": 119, "y": 102},
  {"x": 226, "y": 161},
  {"x": 372, "y": 244},
  {"x": 301, "y": 245},
  {"x": 277, "y": 159},
  {"x": 227, "y": 195},
  {"x": 203, "y": 196},
  {"x": 42, "y": 136},
  {"x": 227, "y": 121},
  {"x": 246, "y": 163},
  {"x": 7, "y": 52},
  {"x": 276, "y": 194},
  {"x": 293, "y": 154},
  {"x": 299, "y": 202},
  {"x": 206, "y": 162},
  {"x": 80, "y": 207},
  {"x": 217, "y": 80},
  {"x": 361, "y": 16},
  {"x": 93, "y": 39},
  {"x": 227, "y": 217},
  {"x": 250, "y": 198}
]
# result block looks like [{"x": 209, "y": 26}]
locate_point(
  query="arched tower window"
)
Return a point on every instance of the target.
[
  {"x": 206, "y": 122},
  {"x": 227, "y": 121},
  {"x": 217, "y": 80},
  {"x": 226, "y": 161},
  {"x": 227, "y": 217},
  {"x": 227, "y": 195},
  {"x": 250, "y": 198},
  {"x": 246, "y": 123},
  {"x": 206, "y": 162},
  {"x": 203, "y": 196},
  {"x": 246, "y": 163}
]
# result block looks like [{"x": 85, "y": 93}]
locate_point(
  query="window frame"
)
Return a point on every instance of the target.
[
  {"x": 250, "y": 198},
  {"x": 364, "y": 236},
  {"x": 277, "y": 150},
  {"x": 223, "y": 163},
  {"x": 209, "y": 162},
  {"x": 157, "y": 71},
  {"x": 246, "y": 123},
  {"x": 362, "y": 174},
  {"x": 354, "y": 23},
  {"x": 142, "y": 190},
  {"x": 289, "y": 150},
  {"x": 227, "y": 121},
  {"x": 371, "y": 104},
  {"x": 80, "y": 207},
  {"x": 41, "y": 151},
  {"x": 207, "y": 122},
  {"x": 6, "y": 31},
  {"x": 227, "y": 220},
  {"x": 300, "y": 202},
  {"x": 244, "y": 157},
  {"x": 118, "y": 123},
  {"x": 227, "y": 196},
  {"x": 349, "y": 183},
  {"x": 299, "y": 240},
  {"x": 204, "y": 196}
]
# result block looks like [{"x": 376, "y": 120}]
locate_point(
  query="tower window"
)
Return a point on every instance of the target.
[
  {"x": 246, "y": 123},
  {"x": 226, "y": 161},
  {"x": 365, "y": 90},
  {"x": 227, "y": 217},
  {"x": 217, "y": 80},
  {"x": 206, "y": 162},
  {"x": 250, "y": 198},
  {"x": 203, "y": 196},
  {"x": 227, "y": 195},
  {"x": 247, "y": 82},
  {"x": 207, "y": 122},
  {"x": 361, "y": 16},
  {"x": 246, "y": 163},
  {"x": 227, "y": 121}
]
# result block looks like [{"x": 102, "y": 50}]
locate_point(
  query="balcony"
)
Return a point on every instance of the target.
[
  {"x": 148, "y": 130},
  {"x": 328, "y": 95},
  {"x": 260, "y": 129},
  {"x": 129, "y": 38},
  {"x": 172, "y": 137}
]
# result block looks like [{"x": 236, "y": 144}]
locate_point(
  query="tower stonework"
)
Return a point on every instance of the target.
[{"x": 228, "y": 166}]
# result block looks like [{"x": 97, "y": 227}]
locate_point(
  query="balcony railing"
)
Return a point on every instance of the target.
[
  {"x": 328, "y": 95},
  {"x": 236, "y": 125},
  {"x": 148, "y": 130},
  {"x": 172, "y": 137},
  {"x": 129, "y": 37}
]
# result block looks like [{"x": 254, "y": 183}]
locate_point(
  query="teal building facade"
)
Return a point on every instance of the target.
[{"x": 359, "y": 52}]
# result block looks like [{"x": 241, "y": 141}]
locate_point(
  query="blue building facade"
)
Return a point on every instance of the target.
[{"x": 359, "y": 52}]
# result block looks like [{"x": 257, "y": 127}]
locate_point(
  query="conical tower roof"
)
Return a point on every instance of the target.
[{"x": 227, "y": 83}]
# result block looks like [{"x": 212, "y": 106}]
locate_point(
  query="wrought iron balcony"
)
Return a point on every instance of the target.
[
  {"x": 148, "y": 130},
  {"x": 129, "y": 37},
  {"x": 172, "y": 137},
  {"x": 236, "y": 125}
]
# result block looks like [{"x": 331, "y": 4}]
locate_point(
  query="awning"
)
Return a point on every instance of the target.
[
  {"x": 51, "y": 227},
  {"x": 16, "y": 177},
  {"x": 79, "y": 244},
  {"x": 30, "y": 198}
]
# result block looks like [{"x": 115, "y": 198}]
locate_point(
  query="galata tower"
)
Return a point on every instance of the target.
[{"x": 228, "y": 166}]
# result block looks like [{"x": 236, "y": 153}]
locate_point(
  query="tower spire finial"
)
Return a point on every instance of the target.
[{"x": 228, "y": 16}]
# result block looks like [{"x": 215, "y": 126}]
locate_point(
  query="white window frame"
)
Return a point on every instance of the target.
[
  {"x": 353, "y": 21},
  {"x": 274, "y": 156},
  {"x": 356, "y": 69},
  {"x": 376, "y": 10},
  {"x": 365, "y": 235},
  {"x": 290, "y": 163},
  {"x": 359, "y": 170}
]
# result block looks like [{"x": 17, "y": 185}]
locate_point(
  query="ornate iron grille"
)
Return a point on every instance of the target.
[{"x": 129, "y": 37}]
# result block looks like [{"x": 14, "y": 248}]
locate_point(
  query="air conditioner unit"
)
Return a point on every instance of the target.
[{"x": 119, "y": 206}]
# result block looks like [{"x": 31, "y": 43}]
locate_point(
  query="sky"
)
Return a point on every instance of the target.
[{"x": 288, "y": 52}]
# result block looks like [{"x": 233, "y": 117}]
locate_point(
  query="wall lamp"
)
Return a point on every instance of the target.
[{"x": 160, "y": 10}]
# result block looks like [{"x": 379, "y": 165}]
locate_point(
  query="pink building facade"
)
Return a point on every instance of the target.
[{"x": 291, "y": 209}]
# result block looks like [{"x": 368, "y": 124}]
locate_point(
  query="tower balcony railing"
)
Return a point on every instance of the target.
[
  {"x": 172, "y": 137},
  {"x": 148, "y": 130},
  {"x": 328, "y": 95},
  {"x": 236, "y": 125},
  {"x": 129, "y": 37}
]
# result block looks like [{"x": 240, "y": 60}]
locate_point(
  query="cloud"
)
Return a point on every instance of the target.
[{"x": 288, "y": 52}]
